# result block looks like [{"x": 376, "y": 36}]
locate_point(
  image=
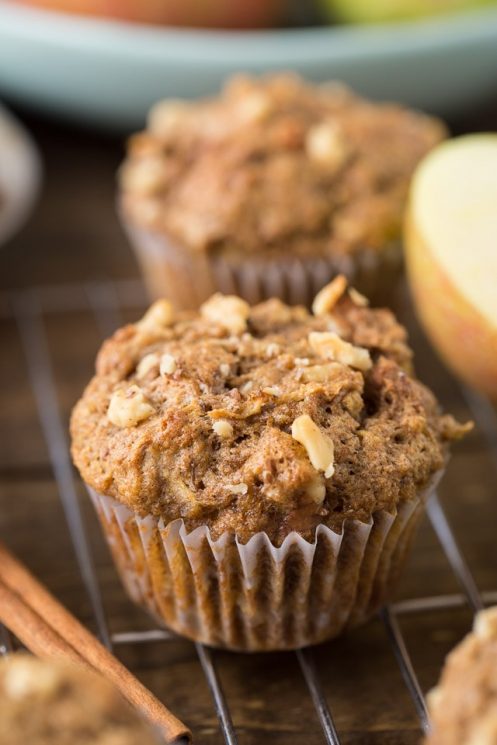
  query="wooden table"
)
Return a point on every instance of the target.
[{"x": 74, "y": 237}]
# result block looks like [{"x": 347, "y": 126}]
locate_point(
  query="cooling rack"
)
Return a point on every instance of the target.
[{"x": 107, "y": 302}]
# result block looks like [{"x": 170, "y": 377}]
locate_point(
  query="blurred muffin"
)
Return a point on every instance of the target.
[
  {"x": 193, "y": 13},
  {"x": 259, "y": 471},
  {"x": 270, "y": 189},
  {"x": 463, "y": 706},
  {"x": 43, "y": 703}
]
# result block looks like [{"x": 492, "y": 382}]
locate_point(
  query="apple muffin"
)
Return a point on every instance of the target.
[
  {"x": 463, "y": 706},
  {"x": 43, "y": 703},
  {"x": 271, "y": 189},
  {"x": 259, "y": 471}
]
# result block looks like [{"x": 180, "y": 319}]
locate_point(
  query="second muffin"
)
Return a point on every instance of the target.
[
  {"x": 270, "y": 190},
  {"x": 259, "y": 471}
]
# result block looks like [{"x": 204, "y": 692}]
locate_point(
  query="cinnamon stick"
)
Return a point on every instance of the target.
[{"x": 46, "y": 628}]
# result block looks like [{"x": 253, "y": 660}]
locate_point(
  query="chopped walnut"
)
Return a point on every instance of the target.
[
  {"x": 147, "y": 364},
  {"x": 327, "y": 298},
  {"x": 145, "y": 176},
  {"x": 254, "y": 106},
  {"x": 325, "y": 145},
  {"x": 168, "y": 117},
  {"x": 228, "y": 311},
  {"x": 273, "y": 349},
  {"x": 129, "y": 407},
  {"x": 237, "y": 488},
  {"x": 168, "y": 364},
  {"x": 320, "y": 373},
  {"x": 485, "y": 624},
  {"x": 319, "y": 446},
  {"x": 330, "y": 345},
  {"x": 316, "y": 489},
  {"x": 24, "y": 679},
  {"x": 222, "y": 428},
  {"x": 272, "y": 390},
  {"x": 357, "y": 298},
  {"x": 159, "y": 315}
]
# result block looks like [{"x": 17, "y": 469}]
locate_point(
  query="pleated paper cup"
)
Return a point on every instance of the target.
[
  {"x": 188, "y": 278},
  {"x": 255, "y": 596}
]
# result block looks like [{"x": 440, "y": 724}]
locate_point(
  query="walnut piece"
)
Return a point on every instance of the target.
[
  {"x": 325, "y": 145},
  {"x": 159, "y": 315},
  {"x": 330, "y": 345},
  {"x": 222, "y": 428},
  {"x": 146, "y": 365},
  {"x": 237, "y": 488},
  {"x": 254, "y": 106},
  {"x": 485, "y": 624},
  {"x": 273, "y": 349},
  {"x": 357, "y": 298},
  {"x": 228, "y": 311},
  {"x": 129, "y": 407},
  {"x": 145, "y": 176},
  {"x": 320, "y": 373},
  {"x": 272, "y": 390},
  {"x": 319, "y": 446},
  {"x": 168, "y": 117},
  {"x": 168, "y": 364},
  {"x": 23, "y": 679},
  {"x": 327, "y": 298}
]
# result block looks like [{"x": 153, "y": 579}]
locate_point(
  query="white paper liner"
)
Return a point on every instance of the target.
[
  {"x": 188, "y": 278},
  {"x": 257, "y": 596}
]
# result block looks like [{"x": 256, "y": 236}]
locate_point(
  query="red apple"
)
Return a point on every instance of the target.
[{"x": 194, "y": 13}]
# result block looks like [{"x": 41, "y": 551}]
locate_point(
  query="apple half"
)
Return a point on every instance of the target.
[{"x": 451, "y": 255}]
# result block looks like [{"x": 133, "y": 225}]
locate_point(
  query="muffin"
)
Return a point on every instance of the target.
[
  {"x": 43, "y": 703},
  {"x": 463, "y": 706},
  {"x": 271, "y": 189},
  {"x": 259, "y": 471}
]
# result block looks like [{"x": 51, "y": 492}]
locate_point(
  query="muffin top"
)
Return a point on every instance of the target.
[
  {"x": 463, "y": 706},
  {"x": 276, "y": 164},
  {"x": 260, "y": 419},
  {"x": 42, "y": 703}
]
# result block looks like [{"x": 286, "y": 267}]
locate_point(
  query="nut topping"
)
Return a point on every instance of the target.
[
  {"x": 222, "y": 428},
  {"x": 146, "y": 365},
  {"x": 228, "y": 311},
  {"x": 129, "y": 407},
  {"x": 330, "y": 345},
  {"x": 319, "y": 446},
  {"x": 159, "y": 315},
  {"x": 327, "y": 298},
  {"x": 168, "y": 364}
]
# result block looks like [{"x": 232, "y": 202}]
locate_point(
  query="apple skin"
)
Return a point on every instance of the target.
[
  {"x": 235, "y": 14},
  {"x": 377, "y": 11},
  {"x": 463, "y": 337}
]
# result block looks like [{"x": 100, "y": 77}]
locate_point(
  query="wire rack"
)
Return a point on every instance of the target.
[{"x": 107, "y": 302}]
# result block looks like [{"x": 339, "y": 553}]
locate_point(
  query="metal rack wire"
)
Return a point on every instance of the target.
[{"x": 107, "y": 301}]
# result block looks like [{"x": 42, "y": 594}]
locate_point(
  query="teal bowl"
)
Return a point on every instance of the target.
[{"x": 108, "y": 73}]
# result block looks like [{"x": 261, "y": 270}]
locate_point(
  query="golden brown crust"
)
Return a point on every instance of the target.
[
  {"x": 210, "y": 440},
  {"x": 43, "y": 703},
  {"x": 276, "y": 165},
  {"x": 463, "y": 706}
]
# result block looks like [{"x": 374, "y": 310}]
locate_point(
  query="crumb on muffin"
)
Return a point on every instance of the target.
[
  {"x": 270, "y": 419},
  {"x": 463, "y": 706},
  {"x": 46, "y": 703},
  {"x": 276, "y": 165}
]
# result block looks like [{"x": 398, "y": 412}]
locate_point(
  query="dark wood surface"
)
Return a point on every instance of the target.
[{"x": 74, "y": 236}]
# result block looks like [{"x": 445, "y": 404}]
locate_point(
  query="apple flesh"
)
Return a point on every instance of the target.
[
  {"x": 376, "y": 11},
  {"x": 194, "y": 13},
  {"x": 451, "y": 255}
]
